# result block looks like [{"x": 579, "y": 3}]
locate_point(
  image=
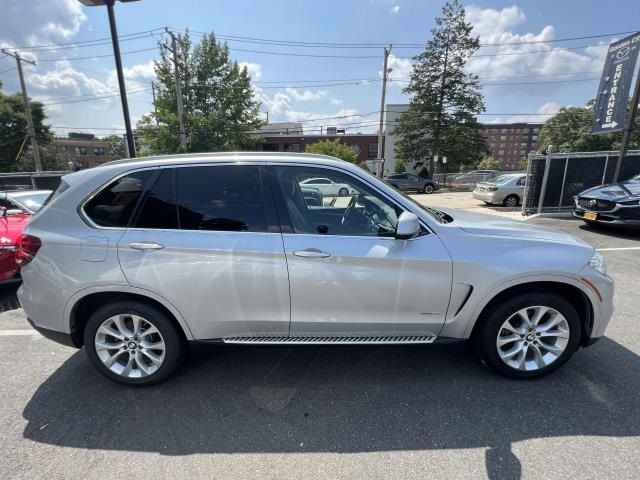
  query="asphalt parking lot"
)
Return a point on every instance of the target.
[{"x": 330, "y": 412}]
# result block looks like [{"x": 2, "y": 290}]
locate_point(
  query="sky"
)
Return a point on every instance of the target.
[{"x": 521, "y": 82}]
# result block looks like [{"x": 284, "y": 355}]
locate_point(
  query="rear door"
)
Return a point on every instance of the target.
[{"x": 206, "y": 239}]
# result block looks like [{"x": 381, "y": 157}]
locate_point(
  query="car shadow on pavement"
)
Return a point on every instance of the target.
[
  {"x": 612, "y": 231},
  {"x": 339, "y": 399}
]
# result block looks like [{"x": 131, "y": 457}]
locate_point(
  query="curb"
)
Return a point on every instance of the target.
[{"x": 549, "y": 215}]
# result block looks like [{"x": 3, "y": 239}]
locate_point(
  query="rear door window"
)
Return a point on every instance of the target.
[
  {"x": 159, "y": 209},
  {"x": 115, "y": 204},
  {"x": 221, "y": 198}
]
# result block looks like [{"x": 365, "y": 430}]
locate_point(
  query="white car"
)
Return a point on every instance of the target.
[{"x": 328, "y": 187}]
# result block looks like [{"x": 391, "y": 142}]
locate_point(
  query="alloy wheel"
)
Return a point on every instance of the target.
[
  {"x": 130, "y": 346},
  {"x": 511, "y": 202},
  {"x": 533, "y": 338}
]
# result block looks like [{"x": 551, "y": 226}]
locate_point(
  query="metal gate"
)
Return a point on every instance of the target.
[{"x": 570, "y": 174}]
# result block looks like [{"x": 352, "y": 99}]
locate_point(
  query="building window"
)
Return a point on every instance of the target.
[
  {"x": 98, "y": 151},
  {"x": 372, "y": 150},
  {"x": 80, "y": 151},
  {"x": 291, "y": 147}
]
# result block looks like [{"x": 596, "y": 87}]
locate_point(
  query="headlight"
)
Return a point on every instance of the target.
[{"x": 598, "y": 263}]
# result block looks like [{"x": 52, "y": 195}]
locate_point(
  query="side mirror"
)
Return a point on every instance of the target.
[{"x": 408, "y": 226}]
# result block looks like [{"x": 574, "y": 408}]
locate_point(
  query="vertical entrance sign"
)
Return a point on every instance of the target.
[{"x": 610, "y": 109}]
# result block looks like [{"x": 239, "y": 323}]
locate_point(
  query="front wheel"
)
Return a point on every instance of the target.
[
  {"x": 529, "y": 335},
  {"x": 133, "y": 343},
  {"x": 428, "y": 189}
]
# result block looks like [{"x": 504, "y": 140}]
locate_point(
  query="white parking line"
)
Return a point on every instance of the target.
[
  {"x": 613, "y": 249},
  {"x": 17, "y": 333}
]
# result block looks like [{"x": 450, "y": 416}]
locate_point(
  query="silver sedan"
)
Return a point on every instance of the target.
[{"x": 507, "y": 189}]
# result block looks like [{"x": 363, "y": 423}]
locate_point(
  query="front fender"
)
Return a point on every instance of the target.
[{"x": 461, "y": 325}]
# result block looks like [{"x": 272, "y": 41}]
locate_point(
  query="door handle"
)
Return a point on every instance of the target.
[
  {"x": 147, "y": 245},
  {"x": 311, "y": 253}
]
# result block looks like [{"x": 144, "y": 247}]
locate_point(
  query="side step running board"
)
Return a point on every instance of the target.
[{"x": 331, "y": 340}]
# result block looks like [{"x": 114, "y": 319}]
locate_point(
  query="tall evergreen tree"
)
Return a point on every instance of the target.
[
  {"x": 445, "y": 99},
  {"x": 220, "y": 109}
]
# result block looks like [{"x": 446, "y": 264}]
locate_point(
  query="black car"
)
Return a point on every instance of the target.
[
  {"x": 411, "y": 182},
  {"x": 613, "y": 204}
]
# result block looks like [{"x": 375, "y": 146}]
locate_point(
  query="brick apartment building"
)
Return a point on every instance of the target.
[
  {"x": 510, "y": 142},
  {"x": 365, "y": 145},
  {"x": 84, "y": 149}
]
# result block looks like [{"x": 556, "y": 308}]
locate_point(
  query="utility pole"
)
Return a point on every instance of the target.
[
  {"x": 174, "y": 51},
  {"x": 628, "y": 129},
  {"x": 131, "y": 146},
  {"x": 155, "y": 108},
  {"x": 380, "y": 160},
  {"x": 27, "y": 108}
]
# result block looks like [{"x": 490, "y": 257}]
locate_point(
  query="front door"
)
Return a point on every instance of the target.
[
  {"x": 206, "y": 240},
  {"x": 348, "y": 275}
]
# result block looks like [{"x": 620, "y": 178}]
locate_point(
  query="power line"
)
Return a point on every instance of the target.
[
  {"x": 94, "y": 56},
  {"x": 96, "y": 98}
]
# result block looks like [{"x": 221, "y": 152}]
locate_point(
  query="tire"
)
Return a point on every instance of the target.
[
  {"x": 511, "y": 201},
  {"x": 428, "y": 189},
  {"x": 343, "y": 192},
  {"x": 143, "y": 371},
  {"x": 564, "y": 337}
]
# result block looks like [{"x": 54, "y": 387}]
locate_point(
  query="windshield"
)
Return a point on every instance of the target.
[
  {"x": 440, "y": 216},
  {"x": 635, "y": 179},
  {"x": 32, "y": 202}
]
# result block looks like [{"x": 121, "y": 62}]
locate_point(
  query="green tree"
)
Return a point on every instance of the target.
[
  {"x": 488, "y": 163},
  {"x": 400, "y": 166},
  {"x": 333, "y": 148},
  {"x": 13, "y": 128},
  {"x": 117, "y": 148},
  {"x": 570, "y": 131},
  {"x": 219, "y": 105},
  {"x": 445, "y": 99},
  {"x": 523, "y": 164},
  {"x": 50, "y": 157}
]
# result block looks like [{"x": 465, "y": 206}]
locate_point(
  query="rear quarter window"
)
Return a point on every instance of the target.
[{"x": 114, "y": 205}]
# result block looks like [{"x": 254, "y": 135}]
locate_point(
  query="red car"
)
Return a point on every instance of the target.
[{"x": 16, "y": 208}]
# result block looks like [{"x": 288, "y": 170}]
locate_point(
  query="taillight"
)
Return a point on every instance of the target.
[{"x": 27, "y": 248}]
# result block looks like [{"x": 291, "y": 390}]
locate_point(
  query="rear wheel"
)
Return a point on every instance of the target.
[
  {"x": 529, "y": 335},
  {"x": 133, "y": 343},
  {"x": 511, "y": 201},
  {"x": 428, "y": 189}
]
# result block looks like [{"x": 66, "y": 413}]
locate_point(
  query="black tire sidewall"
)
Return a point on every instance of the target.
[
  {"x": 488, "y": 332},
  {"x": 511, "y": 196},
  {"x": 173, "y": 341}
]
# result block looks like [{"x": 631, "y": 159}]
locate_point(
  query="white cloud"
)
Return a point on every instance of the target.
[
  {"x": 548, "y": 110},
  {"x": 306, "y": 95},
  {"x": 522, "y": 59},
  {"x": 35, "y": 22},
  {"x": 336, "y": 101},
  {"x": 254, "y": 70},
  {"x": 395, "y": 9},
  {"x": 401, "y": 70}
]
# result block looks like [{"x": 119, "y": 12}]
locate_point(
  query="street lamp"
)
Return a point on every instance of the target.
[{"x": 116, "y": 53}]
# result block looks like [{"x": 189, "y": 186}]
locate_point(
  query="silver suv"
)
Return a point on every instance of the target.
[{"x": 140, "y": 260}]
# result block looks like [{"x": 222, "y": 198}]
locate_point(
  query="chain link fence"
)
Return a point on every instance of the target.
[
  {"x": 30, "y": 181},
  {"x": 570, "y": 174}
]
